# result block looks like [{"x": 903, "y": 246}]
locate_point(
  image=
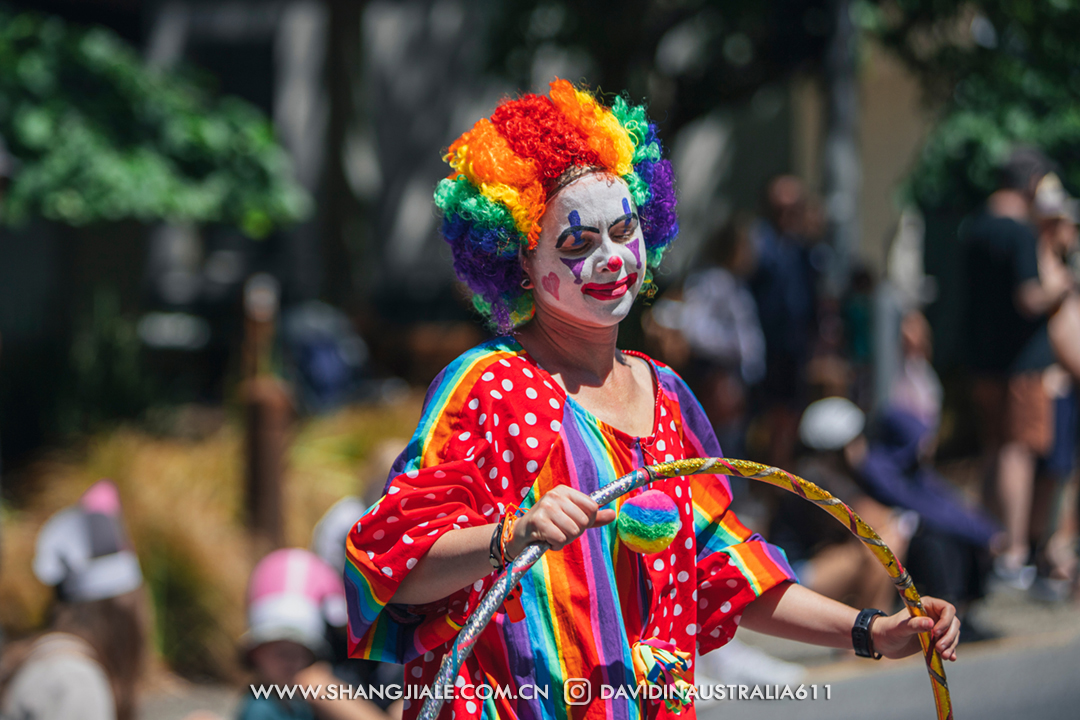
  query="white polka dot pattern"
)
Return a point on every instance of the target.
[{"x": 497, "y": 451}]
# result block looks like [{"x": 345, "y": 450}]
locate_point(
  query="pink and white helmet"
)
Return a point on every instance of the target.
[{"x": 293, "y": 595}]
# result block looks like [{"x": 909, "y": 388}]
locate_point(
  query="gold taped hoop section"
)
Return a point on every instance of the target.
[{"x": 808, "y": 490}]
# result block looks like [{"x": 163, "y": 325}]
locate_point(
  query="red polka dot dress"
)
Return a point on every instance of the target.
[{"x": 496, "y": 431}]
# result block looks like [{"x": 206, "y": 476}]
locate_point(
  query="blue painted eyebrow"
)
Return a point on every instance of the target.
[
  {"x": 626, "y": 219},
  {"x": 575, "y": 229}
]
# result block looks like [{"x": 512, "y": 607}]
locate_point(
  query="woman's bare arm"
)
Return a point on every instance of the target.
[
  {"x": 460, "y": 557},
  {"x": 456, "y": 560},
  {"x": 798, "y": 613}
]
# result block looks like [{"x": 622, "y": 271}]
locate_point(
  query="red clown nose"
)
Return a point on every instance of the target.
[{"x": 615, "y": 263}]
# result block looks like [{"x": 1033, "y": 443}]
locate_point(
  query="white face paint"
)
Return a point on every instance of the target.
[{"x": 589, "y": 262}]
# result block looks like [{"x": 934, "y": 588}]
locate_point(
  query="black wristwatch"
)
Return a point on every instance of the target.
[{"x": 860, "y": 634}]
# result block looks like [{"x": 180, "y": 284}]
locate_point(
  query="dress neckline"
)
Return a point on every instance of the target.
[{"x": 606, "y": 427}]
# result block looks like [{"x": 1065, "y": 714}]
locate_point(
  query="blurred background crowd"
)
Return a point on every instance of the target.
[{"x": 223, "y": 289}]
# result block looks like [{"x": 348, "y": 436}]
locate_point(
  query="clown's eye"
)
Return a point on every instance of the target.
[
  {"x": 578, "y": 242},
  {"x": 624, "y": 230}
]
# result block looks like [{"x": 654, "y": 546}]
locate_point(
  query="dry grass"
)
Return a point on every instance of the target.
[{"x": 183, "y": 506}]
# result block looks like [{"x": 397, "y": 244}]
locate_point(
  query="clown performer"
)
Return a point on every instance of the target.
[{"x": 558, "y": 210}]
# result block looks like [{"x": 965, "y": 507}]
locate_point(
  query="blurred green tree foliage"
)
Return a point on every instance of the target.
[
  {"x": 686, "y": 56},
  {"x": 997, "y": 72},
  {"x": 1001, "y": 72},
  {"x": 102, "y": 137}
]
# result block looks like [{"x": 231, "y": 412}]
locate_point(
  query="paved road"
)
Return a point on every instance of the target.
[
  {"x": 993, "y": 681},
  {"x": 1033, "y": 674},
  {"x": 1005, "y": 680}
]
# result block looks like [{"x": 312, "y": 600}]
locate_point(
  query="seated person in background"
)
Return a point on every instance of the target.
[
  {"x": 823, "y": 552},
  {"x": 950, "y": 553},
  {"x": 292, "y": 597},
  {"x": 87, "y": 664}
]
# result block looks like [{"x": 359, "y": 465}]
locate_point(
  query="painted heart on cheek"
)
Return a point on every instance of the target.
[{"x": 551, "y": 283}]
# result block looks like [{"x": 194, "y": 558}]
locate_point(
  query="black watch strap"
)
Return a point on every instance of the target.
[{"x": 860, "y": 634}]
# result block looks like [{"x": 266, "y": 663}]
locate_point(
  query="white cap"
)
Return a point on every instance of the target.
[
  {"x": 1052, "y": 201},
  {"x": 830, "y": 424},
  {"x": 328, "y": 537},
  {"x": 84, "y": 551}
]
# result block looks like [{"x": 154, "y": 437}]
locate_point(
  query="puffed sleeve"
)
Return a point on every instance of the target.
[
  {"x": 734, "y": 565},
  {"x": 466, "y": 463}
]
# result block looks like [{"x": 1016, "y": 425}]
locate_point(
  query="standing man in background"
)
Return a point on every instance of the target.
[
  {"x": 783, "y": 286},
  {"x": 1008, "y": 308}
]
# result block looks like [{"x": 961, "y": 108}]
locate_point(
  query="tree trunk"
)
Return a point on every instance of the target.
[{"x": 841, "y": 165}]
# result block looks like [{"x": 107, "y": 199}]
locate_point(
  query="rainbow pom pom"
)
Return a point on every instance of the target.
[{"x": 648, "y": 522}]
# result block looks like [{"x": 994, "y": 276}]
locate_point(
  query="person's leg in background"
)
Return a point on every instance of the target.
[
  {"x": 1015, "y": 483},
  {"x": 1029, "y": 434},
  {"x": 988, "y": 395},
  {"x": 1053, "y": 524}
]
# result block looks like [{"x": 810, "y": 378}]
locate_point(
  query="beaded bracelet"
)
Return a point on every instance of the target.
[
  {"x": 508, "y": 521},
  {"x": 495, "y": 550}
]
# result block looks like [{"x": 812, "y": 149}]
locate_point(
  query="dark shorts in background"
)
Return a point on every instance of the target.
[{"x": 1014, "y": 409}]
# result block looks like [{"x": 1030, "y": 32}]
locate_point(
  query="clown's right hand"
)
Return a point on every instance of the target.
[{"x": 558, "y": 518}]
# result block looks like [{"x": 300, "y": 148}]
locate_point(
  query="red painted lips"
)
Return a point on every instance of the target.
[{"x": 611, "y": 290}]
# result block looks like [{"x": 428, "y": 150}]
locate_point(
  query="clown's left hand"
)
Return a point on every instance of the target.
[{"x": 897, "y": 636}]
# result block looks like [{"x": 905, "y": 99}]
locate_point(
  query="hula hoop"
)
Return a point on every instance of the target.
[{"x": 466, "y": 639}]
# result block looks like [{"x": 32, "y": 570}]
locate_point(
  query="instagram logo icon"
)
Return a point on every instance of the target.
[{"x": 577, "y": 691}]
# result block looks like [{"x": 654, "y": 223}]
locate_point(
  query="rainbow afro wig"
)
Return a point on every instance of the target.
[{"x": 505, "y": 168}]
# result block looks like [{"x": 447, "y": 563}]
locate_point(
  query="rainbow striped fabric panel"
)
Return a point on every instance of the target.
[{"x": 497, "y": 430}]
